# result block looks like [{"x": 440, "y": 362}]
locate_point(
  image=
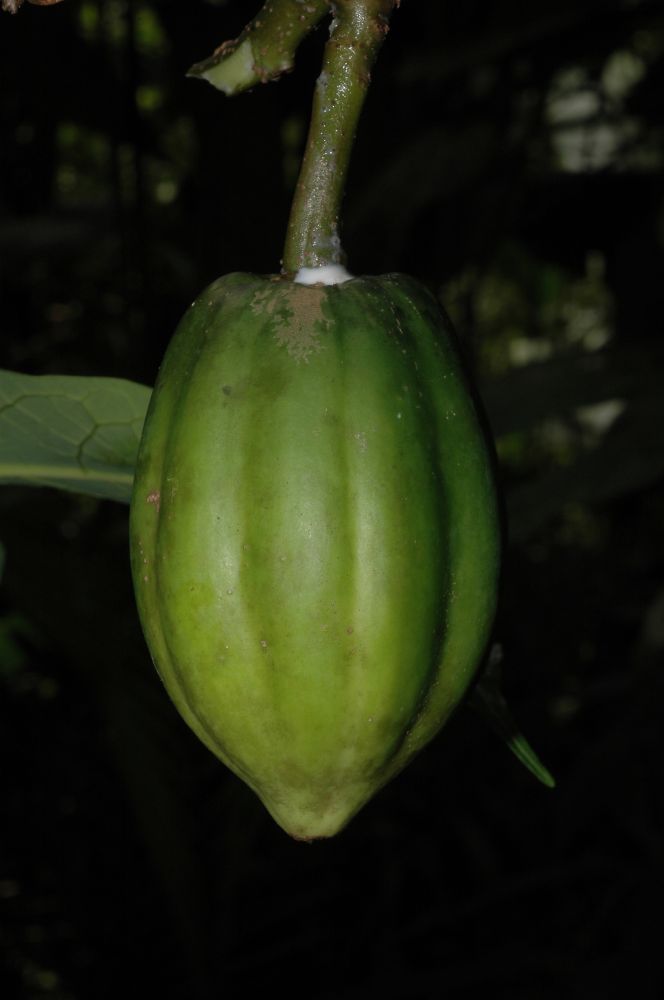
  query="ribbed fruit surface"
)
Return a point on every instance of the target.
[{"x": 314, "y": 535}]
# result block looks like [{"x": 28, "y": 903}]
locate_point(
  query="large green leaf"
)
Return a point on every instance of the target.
[{"x": 71, "y": 432}]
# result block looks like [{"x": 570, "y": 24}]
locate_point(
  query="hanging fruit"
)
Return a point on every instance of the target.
[{"x": 314, "y": 527}]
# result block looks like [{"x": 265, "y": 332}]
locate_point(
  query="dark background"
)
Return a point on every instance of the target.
[{"x": 511, "y": 156}]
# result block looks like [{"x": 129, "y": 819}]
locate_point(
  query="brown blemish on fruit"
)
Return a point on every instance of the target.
[
  {"x": 155, "y": 498},
  {"x": 296, "y": 314}
]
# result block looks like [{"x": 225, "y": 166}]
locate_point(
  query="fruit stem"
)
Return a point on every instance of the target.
[{"x": 357, "y": 31}]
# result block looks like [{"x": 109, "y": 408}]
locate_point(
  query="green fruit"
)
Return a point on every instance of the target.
[{"x": 314, "y": 534}]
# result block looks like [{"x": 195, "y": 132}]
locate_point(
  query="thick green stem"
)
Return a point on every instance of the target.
[
  {"x": 356, "y": 33},
  {"x": 265, "y": 49}
]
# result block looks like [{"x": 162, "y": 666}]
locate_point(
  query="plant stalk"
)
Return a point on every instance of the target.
[{"x": 357, "y": 31}]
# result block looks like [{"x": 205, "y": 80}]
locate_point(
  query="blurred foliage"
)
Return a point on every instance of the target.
[{"x": 512, "y": 157}]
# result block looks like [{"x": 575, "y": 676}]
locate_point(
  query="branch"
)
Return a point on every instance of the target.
[{"x": 265, "y": 49}]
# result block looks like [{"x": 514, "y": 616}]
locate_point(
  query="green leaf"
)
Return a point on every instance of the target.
[
  {"x": 71, "y": 432},
  {"x": 488, "y": 700}
]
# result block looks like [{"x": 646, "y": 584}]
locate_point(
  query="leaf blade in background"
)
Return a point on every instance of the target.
[
  {"x": 629, "y": 459},
  {"x": 526, "y": 395},
  {"x": 488, "y": 700},
  {"x": 611, "y": 454},
  {"x": 71, "y": 432}
]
